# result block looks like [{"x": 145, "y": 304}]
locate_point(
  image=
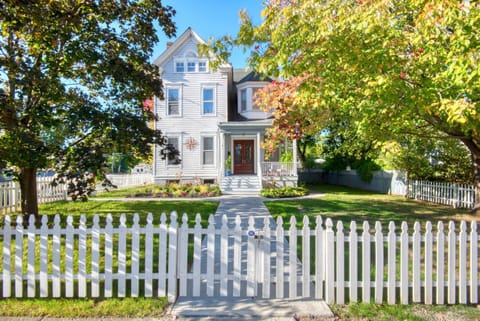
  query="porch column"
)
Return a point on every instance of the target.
[
  {"x": 259, "y": 160},
  {"x": 222, "y": 155},
  {"x": 294, "y": 157}
]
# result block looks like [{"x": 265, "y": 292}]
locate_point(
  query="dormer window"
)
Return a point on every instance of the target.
[
  {"x": 190, "y": 63},
  {"x": 243, "y": 100}
]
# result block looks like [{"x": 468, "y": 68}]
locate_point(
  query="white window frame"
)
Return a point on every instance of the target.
[
  {"x": 242, "y": 91},
  {"x": 214, "y": 142},
  {"x": 177, "y": 64},
  {"x": 203, "y": 62},
  {"x": 189, "y": 63},
  {"x": 214, "y": 99},
  {"x": 180, "y": 94},
  {"x": 179, "y": 138}
]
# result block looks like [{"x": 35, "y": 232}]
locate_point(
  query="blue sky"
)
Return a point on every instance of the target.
[{"x": 211, "y": 18}]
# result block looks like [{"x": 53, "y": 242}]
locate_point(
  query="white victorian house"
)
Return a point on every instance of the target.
[{"x": 209, "y": 115}]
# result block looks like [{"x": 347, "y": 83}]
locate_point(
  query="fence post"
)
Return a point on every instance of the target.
[
  {"x": 473, "y": 263},
  {"x": 183, "y": 255}
]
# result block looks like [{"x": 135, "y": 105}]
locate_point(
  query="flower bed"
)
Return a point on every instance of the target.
[
  {"x": 179, "y": 190},
  {"x": 281, "y": 192}
]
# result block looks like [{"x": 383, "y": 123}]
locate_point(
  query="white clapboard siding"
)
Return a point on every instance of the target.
[{"x": 103, "y": 258}]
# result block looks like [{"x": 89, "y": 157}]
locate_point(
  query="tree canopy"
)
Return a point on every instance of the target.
[
  {"x": 73, "y": 76},
  {"x": 389, "y": 68}
]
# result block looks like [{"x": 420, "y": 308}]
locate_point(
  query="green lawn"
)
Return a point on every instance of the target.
[
  {"x": 102, "y": 208},
  {"x": 346, "y": 204}
]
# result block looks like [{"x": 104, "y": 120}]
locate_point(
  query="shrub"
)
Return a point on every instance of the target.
[{"x": 280, "y": 192}]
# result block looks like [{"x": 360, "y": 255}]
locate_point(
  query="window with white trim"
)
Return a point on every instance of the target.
[
  {"x": 173, "y": 101},
  {"x": 173, "y": 142},
  {"x": 202, "y": 66},
  {"x": 191, "y": 66},
  {"x": 208, "y": 150},
  {"x": 179, "y": 66},
  {"x": 208, "y": 101}
]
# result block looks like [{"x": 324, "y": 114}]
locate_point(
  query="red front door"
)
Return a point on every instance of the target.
[{"x": 243, "y": 159}]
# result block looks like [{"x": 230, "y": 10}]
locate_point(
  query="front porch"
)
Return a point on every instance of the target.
[{"x": 242, "y": 142}]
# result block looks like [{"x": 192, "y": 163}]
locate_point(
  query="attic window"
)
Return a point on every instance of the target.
[{"x": 179, "y": 66}]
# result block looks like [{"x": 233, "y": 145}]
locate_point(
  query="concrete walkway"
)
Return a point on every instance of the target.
[{"x": 231, "y": 308}]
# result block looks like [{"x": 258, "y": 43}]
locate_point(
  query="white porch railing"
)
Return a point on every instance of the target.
[{"x": 278, "y": 169}]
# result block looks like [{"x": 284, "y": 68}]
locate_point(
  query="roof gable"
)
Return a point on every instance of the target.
[{"x": 176, "y": 45}]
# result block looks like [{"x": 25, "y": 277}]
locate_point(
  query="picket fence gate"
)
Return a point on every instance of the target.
[{"x": 239, "y": 258}]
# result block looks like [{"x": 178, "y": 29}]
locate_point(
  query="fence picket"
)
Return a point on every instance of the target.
[
  {"x": 378, "y": 263},
  {"x": 266, "y": 257},
  {"x": 251, "y": 259},
  {"x": 95, "y": 273},
  {"x": 404, "y": 264},
  {"x": 473, "y": 262},
  {"x": 19, "y": 258},
  {"x": 451, "y": 282},
  {"x": 56, "y": 235},
  {"x": 416, "y": 286},
  {"x": 428, "y": 291},
  {"x": 224, "y": 256},
  {"x": 462, "y": 262},
  {"x": 183, "y": 255},
  {"x": 353, "y": 262},
  {"x": 31, "y": 279},
  {"x": 237, "y": 256},
  {"x": 306, "y": 257},
  {"x": 340, "y": 264},
  {"x": 108, "y": 257},
  {"x": 319, "y": 258},
  {"x": 292, "y": 253},
  {"x": 329, "y": 268},
  {"x": 162, "y": 256},
  {"x": 149, "y": 258},
  {"x": 172, "y": 258},
  {"x": 135, "y": 267},
  {"x": 82, "y": 257},
  {"x": 197, "y": 250},
  {"x": 366, "y": 263},
  {"x": 210, "y": 254},
  {"x": 391, "y": 274},
  {"x": 279, "y": 290},
  {"x": 440, "y": 284},
  {"x": 6, "y": 276}
]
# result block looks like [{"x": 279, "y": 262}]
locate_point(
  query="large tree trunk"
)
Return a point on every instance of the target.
[
  {"x": 474, "y": 149},
  {"x": 28, "y": 188}
]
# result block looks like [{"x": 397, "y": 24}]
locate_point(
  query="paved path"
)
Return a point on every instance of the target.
[{"x": 230, "y": 308}]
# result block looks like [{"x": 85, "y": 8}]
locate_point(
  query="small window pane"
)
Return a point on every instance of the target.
[
  {"x": 173, "y": 142},
  {"x": 191, "y": 67},
  {"x": 202, "y": 66},
  {"x": 208, "y": 94},
  {"x": 179, "y": 67},
  {"x": 208, "y": 143}
]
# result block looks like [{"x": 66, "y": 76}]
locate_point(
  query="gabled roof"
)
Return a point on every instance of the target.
[{"x": 176, "y": 45}]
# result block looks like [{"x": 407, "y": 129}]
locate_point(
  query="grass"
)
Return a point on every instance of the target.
[
  {"x": 413, "y": 312},
  {"x": 82, "y": 308},
  {"x": 346, "y": 204},
  {"x": 102, "y": 208}
]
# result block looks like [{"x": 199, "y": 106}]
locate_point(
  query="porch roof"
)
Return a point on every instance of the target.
[{"x": 245, "y": 126}]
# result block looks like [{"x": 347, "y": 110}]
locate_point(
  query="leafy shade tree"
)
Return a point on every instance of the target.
[
  {"x": 394, "y": 67},
  {"x": 73, "y": 76}
]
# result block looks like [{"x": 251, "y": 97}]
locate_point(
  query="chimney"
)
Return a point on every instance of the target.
[{"x": 169, "y": 44}]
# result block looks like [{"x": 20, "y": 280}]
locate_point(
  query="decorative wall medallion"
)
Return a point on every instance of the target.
[{"x": 191, "y": 143}]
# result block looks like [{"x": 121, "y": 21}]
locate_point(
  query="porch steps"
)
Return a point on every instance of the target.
[{"x": 241, "y": 184}]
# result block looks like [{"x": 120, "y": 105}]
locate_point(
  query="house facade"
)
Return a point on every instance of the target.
[{"x": 209, "y": 116}]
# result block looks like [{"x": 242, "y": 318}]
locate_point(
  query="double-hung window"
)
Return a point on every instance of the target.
[
  {"x": 173, "y": 144},
  {"x": 179, "y": 66},
  {"x": 173, "y": 101},
  {"x": 202, "y": 66},
  {"x": 208, "y": 150},
  {"x": 208, "y": 101}
]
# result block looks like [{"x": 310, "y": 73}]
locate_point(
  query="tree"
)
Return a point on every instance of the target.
[
  {"x": 391, "y": 67},
  {"x": 74, "y": 75}
]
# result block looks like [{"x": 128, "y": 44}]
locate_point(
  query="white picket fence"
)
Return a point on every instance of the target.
[
  {"x": 10, "y": 191},
  {"x": 455, "y": 195},
  {"x": 103, "y": 258}
]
